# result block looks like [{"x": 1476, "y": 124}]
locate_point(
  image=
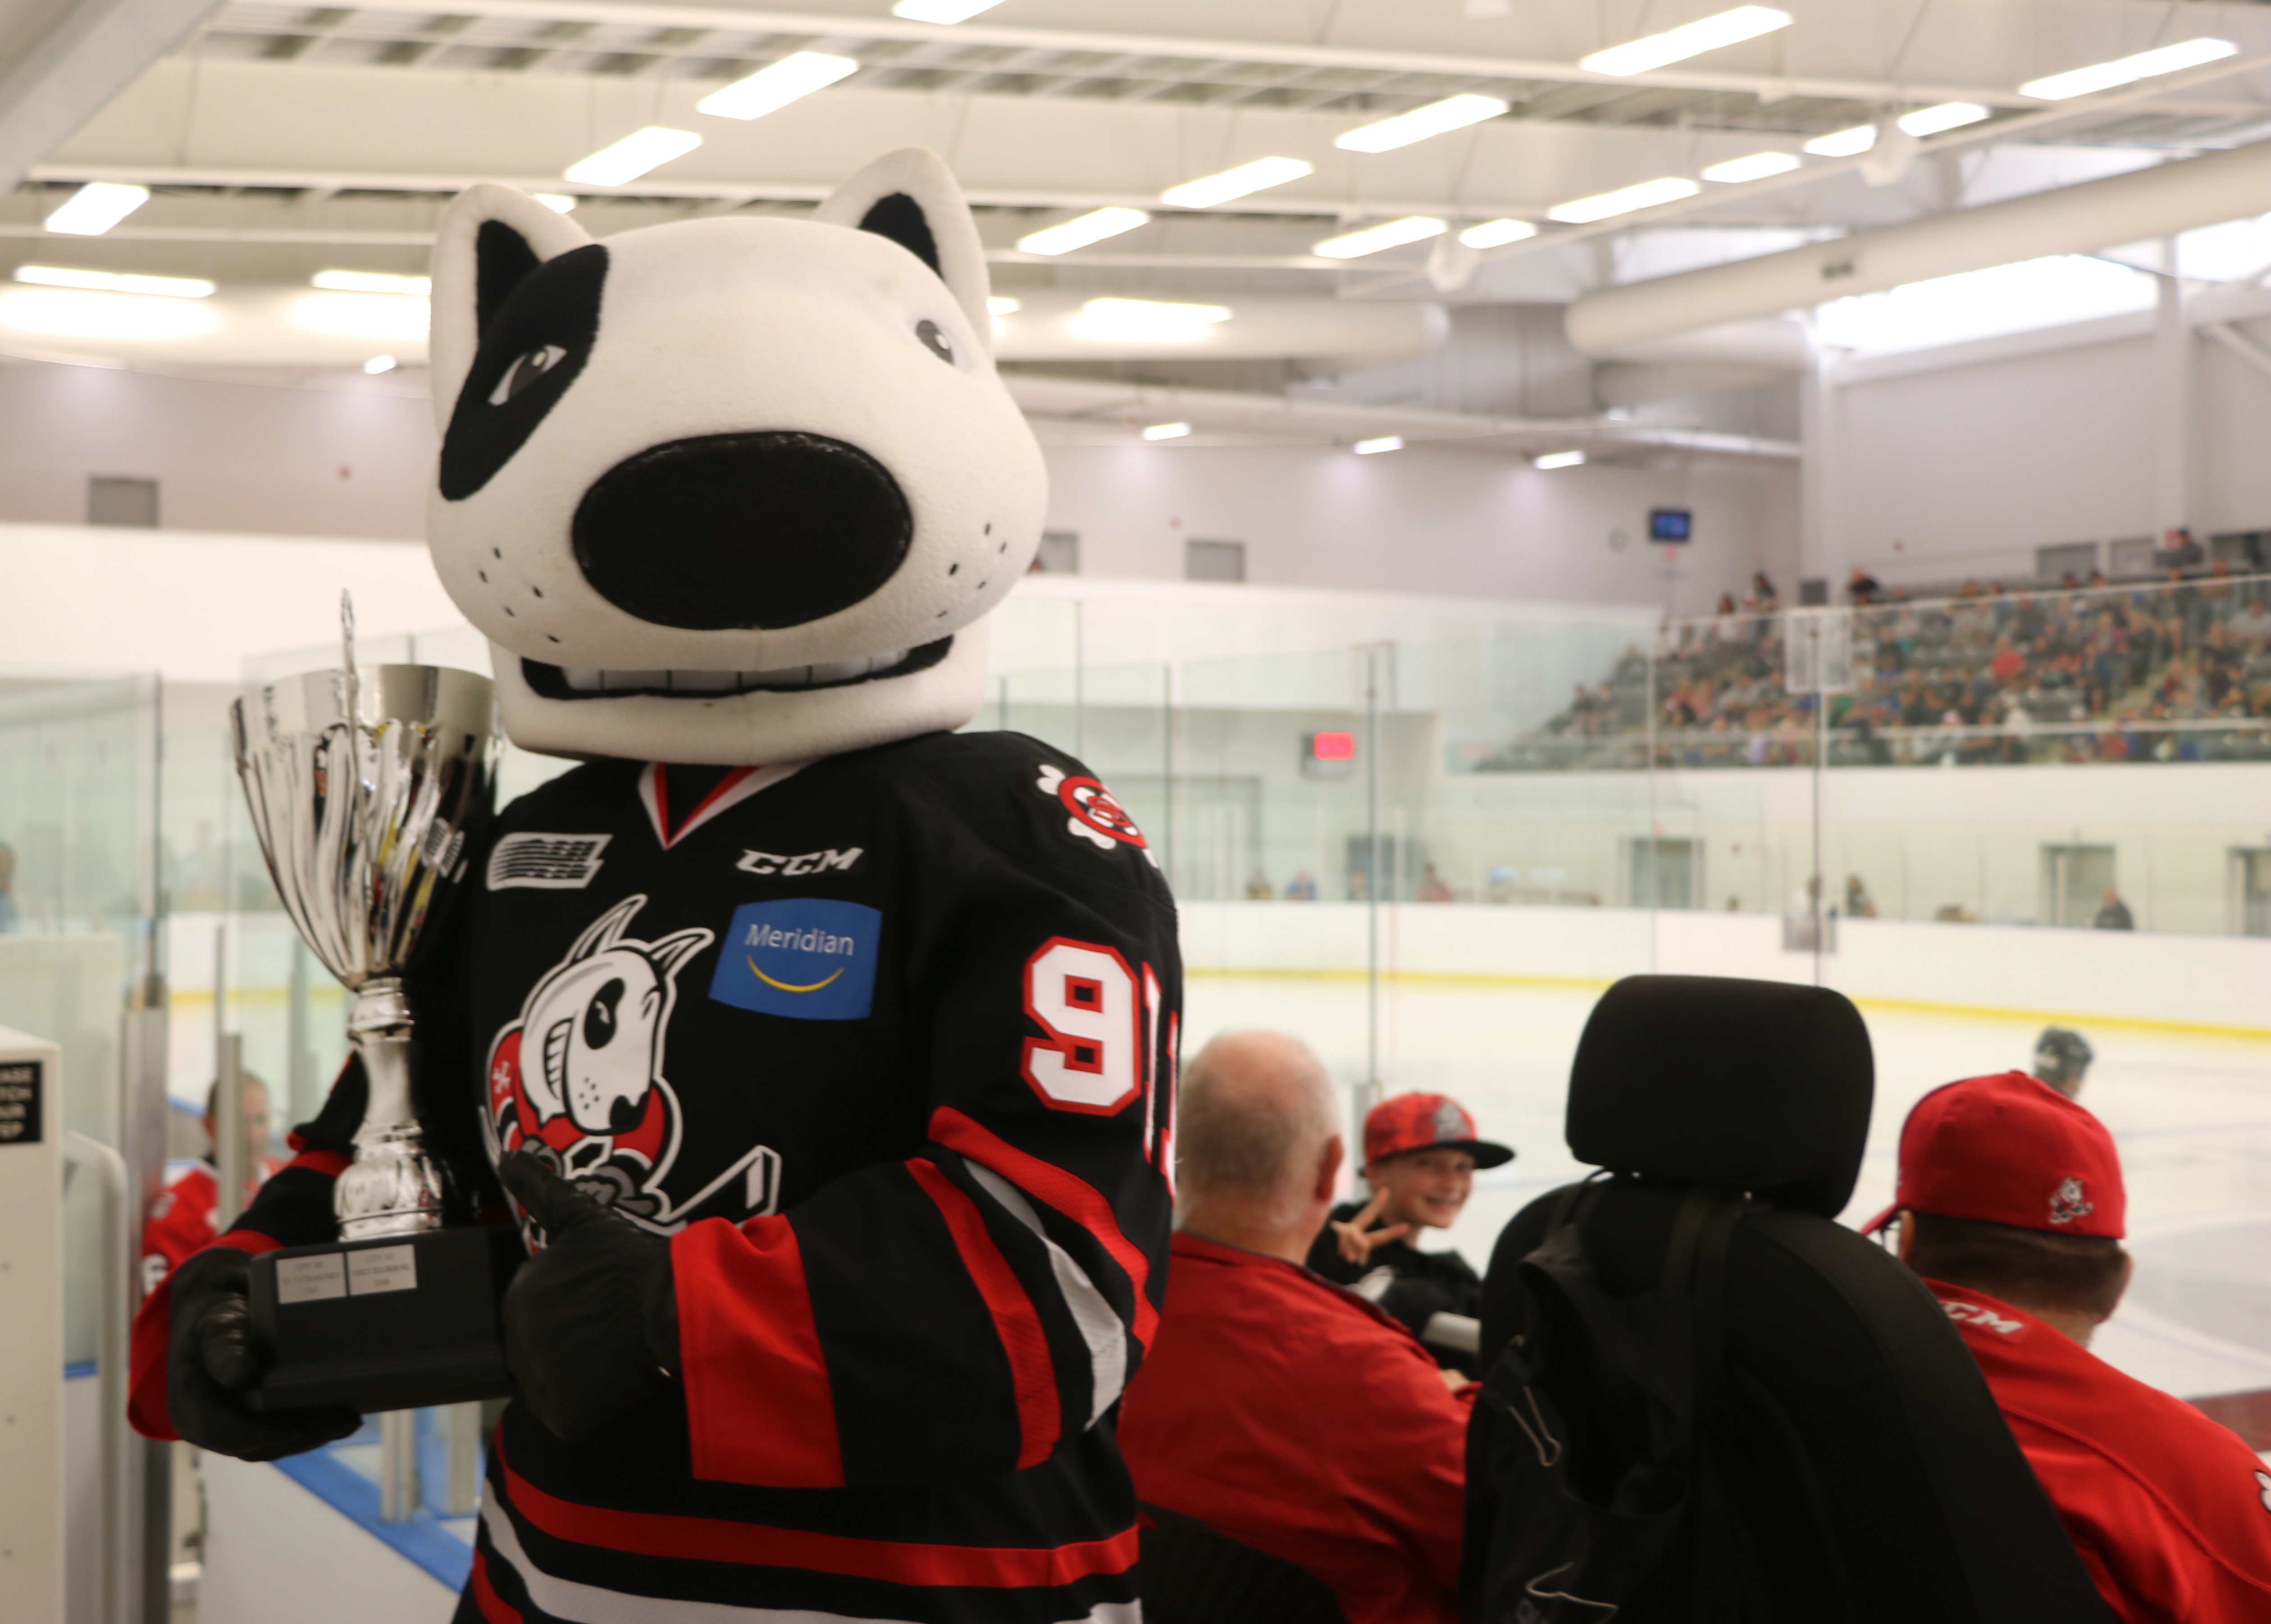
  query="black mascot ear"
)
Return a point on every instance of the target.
[
  {"x": 910, "y": 197},
  {"x": 490, "y": 240}
]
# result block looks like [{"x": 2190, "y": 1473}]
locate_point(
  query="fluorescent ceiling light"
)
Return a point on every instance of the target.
[
  {"x": 1166, "y": 431},
  {"x": 74, "y": 313},
  {"x": 114, "y": 282},
  {"x": 95, "y": 207},
  {"x": 773, "y": 88},
  {"x": 1373, "y": 448},
  {"x": 942, "y": 10},
  {"x": 1944, "y": 115},
  {"x": 1757, "y": 167},
  {"x": 378, "y": 364},
  {"x": 1705, "y": 33},
  {"x": 1144, "y": 321},
  {"x": 1436, "y": 118},
  {"x": 363, "y": 316},
  {"x": 1372, "y": 239},
  {"x": 1624, "y": 200},
  {"x": 558, "y": 202},
  {"x": 1558, "y": 459},
  {"x": 2127, "y": 70},
  {"x": 1497, "y": 233},
  {"x": 1001, "y": 304},
  {"x": 633, "y": 156},
  {"x": 1247, "y": 178},
  {"x": 1082, "y": 230},
  {"x": 372, "y": 282},
  {"x": 1849, "y": 142}
]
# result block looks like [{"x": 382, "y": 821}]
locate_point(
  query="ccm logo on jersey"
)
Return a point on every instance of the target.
[
  {"x": 1096, "y": 818},
  {"x": 810, "y": 959},
  {"x": 793, "y": 868},
  {"x": 1974, "y": 1313}
]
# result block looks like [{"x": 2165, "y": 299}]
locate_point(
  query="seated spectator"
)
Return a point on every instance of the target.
[
  {"x": 1433, "y": 886},
  {"x": 1258, "y": 888},
  {"x": 2114, "y": 913},
  {"x": 184, "y": 1217},
  {"x": 1276, "y": 1408},
  {"x": 2011, "y": 1206},
  {"x": 1302, "y": 886},
  {"x": 1420, "y": 1154},
  {"x": 1858, "y": 903},
  {"x": 9, "y": 919}
]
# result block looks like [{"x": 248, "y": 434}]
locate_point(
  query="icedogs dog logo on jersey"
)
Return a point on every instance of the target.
[
  {"x": 1096, "y": 818},
  {"x": 577, "y": 1079}
]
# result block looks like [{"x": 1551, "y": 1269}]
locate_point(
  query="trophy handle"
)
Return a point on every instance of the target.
[{"x": 394, "y": 1186}]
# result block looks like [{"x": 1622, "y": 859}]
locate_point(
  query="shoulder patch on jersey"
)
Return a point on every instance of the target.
[
  {"x": 546, "y": 862},
  {"x": 810, "y": 959},
  {"x": 1095, "y": 815}
]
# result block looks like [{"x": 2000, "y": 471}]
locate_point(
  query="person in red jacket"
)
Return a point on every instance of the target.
[
  {"x": 185, "y": 1216},
  {"x": 2010, "y": 1205},
  {"x": 1279, "y": 1410}
]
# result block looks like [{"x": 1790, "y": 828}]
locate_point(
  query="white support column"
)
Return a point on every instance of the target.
[
  {"x": 2172, "y": 400},
  {"x": 1821, "y": 547}
]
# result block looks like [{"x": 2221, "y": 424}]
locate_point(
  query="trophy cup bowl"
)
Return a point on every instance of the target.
[{"x": 365, "y": 786}]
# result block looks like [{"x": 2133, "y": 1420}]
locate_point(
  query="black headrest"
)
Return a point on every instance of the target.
[{"x": 1756, "y": 1085}]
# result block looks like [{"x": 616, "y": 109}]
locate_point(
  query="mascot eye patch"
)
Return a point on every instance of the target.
[
  {"x": 935, "y": 339},
  {"x": 532, "y": 349},
  {"x": 742, "y": 532}
]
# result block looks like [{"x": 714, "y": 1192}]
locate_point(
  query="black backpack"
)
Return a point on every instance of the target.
[{"x": 1606, "y": 1436}]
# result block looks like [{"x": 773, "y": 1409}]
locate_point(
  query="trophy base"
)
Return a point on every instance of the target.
[{"x": 390, "y": 1324}]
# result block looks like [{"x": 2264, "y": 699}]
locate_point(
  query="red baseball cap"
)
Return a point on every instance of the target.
[
  {"x": 1425, "y": 1122},
  {"x": 2009, "y": 1149}
]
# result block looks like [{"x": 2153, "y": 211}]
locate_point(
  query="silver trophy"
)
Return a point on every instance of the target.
[{"x": 365, "y": 785}]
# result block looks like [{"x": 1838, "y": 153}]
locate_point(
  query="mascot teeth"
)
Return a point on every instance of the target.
[{"x": 585, "y": 680}]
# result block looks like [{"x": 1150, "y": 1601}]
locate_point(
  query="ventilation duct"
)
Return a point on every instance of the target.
[{"x": 2159, "y": 202}]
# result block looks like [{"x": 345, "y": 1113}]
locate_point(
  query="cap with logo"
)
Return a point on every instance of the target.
[
  {"x": 2010, "y": 1149},
  {"x": 1425, "y": 1122}
]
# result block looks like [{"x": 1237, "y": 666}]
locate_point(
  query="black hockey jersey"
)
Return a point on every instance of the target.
[{"x": 886, "y": 1042}]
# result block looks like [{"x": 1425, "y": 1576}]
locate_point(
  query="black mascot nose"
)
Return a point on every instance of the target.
[{"x": 747, "y": 531}]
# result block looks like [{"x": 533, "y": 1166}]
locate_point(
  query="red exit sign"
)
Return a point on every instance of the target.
[{"x": 1332, "y": 746}]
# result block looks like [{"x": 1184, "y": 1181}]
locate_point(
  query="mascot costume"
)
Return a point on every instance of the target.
[{"x": 826, "y": 1055}]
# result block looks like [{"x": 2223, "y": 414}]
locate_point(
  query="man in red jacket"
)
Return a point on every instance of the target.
[
  {"x": 2010, "y": 1205},
  {"x": 1277, "y": 1408}
]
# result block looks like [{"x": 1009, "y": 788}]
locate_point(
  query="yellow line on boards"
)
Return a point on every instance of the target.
[{"x": 1477, "y": 979}]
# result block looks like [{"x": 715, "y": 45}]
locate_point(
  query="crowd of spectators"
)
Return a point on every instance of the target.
[{"x": 2177, "y": 670}]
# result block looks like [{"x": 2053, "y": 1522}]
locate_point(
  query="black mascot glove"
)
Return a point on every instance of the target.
[
  {"x": 211, "y": 1361},
  {"x": 591, "y": 1322}
]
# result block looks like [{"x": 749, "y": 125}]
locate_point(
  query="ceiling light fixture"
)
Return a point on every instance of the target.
[
  {"x": 2127, "y": 70},
  {"x": 115, "y": 282},
  {"x": 1849, "y": 142},
  {"x": 1757, "y": 167},
  {"x": 1497, "y": 233},
  {"x": 1436, "y": 118},
  {"x": 1082, "y": 230},
  {"x": 378, "y": 364},
  {"x": 95, "y": 207},
  {"x": 1705, "y": 33},
  {"x": 1243, "y": 181},
  {"x": 1942, "y": 115},
  {"x": 1166, "y": 431},
  {"x": 558, "y": 202},
  {"x": 1001, "y": 304},
  {"x": 75, "y": 313},
  {"x": 631, "y": 157},
  {"x": 942, "y": 10},
  {"x": 363, "y": 316},
  {"x": 1373, "y": 239},
  {"x": 372, "y": 282},
  {"x": 773, "y": 88},
  {"x": 1558, "y": 459},
  {"x": 1624, "y": 200},
  {"x": 1373, "y": 447},
  {"x": 1144, "y": 321}
]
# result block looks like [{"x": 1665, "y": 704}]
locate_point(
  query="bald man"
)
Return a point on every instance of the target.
[{"x": 1279, "y": 1410}]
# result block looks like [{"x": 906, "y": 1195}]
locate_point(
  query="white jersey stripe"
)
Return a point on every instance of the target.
[
  {"x": 1099, "y": 1327},
  {"x": 589, "y": 1604}
]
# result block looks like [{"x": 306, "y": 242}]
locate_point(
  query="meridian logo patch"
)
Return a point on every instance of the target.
[{"x": 809, "y": 959}]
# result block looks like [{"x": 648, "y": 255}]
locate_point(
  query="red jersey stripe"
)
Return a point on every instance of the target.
[
  {"x": 154, "y": 1334},
  {"x": 493, "y": 1607},
  {"x": 712, "y": 1539},
  {"x": 1040, "y": 1413},
  {"x": 758, "y": 1402},
  {"x": 1077, "y": 1199}
]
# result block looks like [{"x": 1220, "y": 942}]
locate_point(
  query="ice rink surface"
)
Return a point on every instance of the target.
[{"x": 2192, "y": 1114}]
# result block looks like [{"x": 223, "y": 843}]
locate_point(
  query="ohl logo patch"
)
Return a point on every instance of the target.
[{"x": 809, "y": 957}]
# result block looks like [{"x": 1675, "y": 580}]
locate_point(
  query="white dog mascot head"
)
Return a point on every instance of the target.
[{"x": 728, "y": 491}]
